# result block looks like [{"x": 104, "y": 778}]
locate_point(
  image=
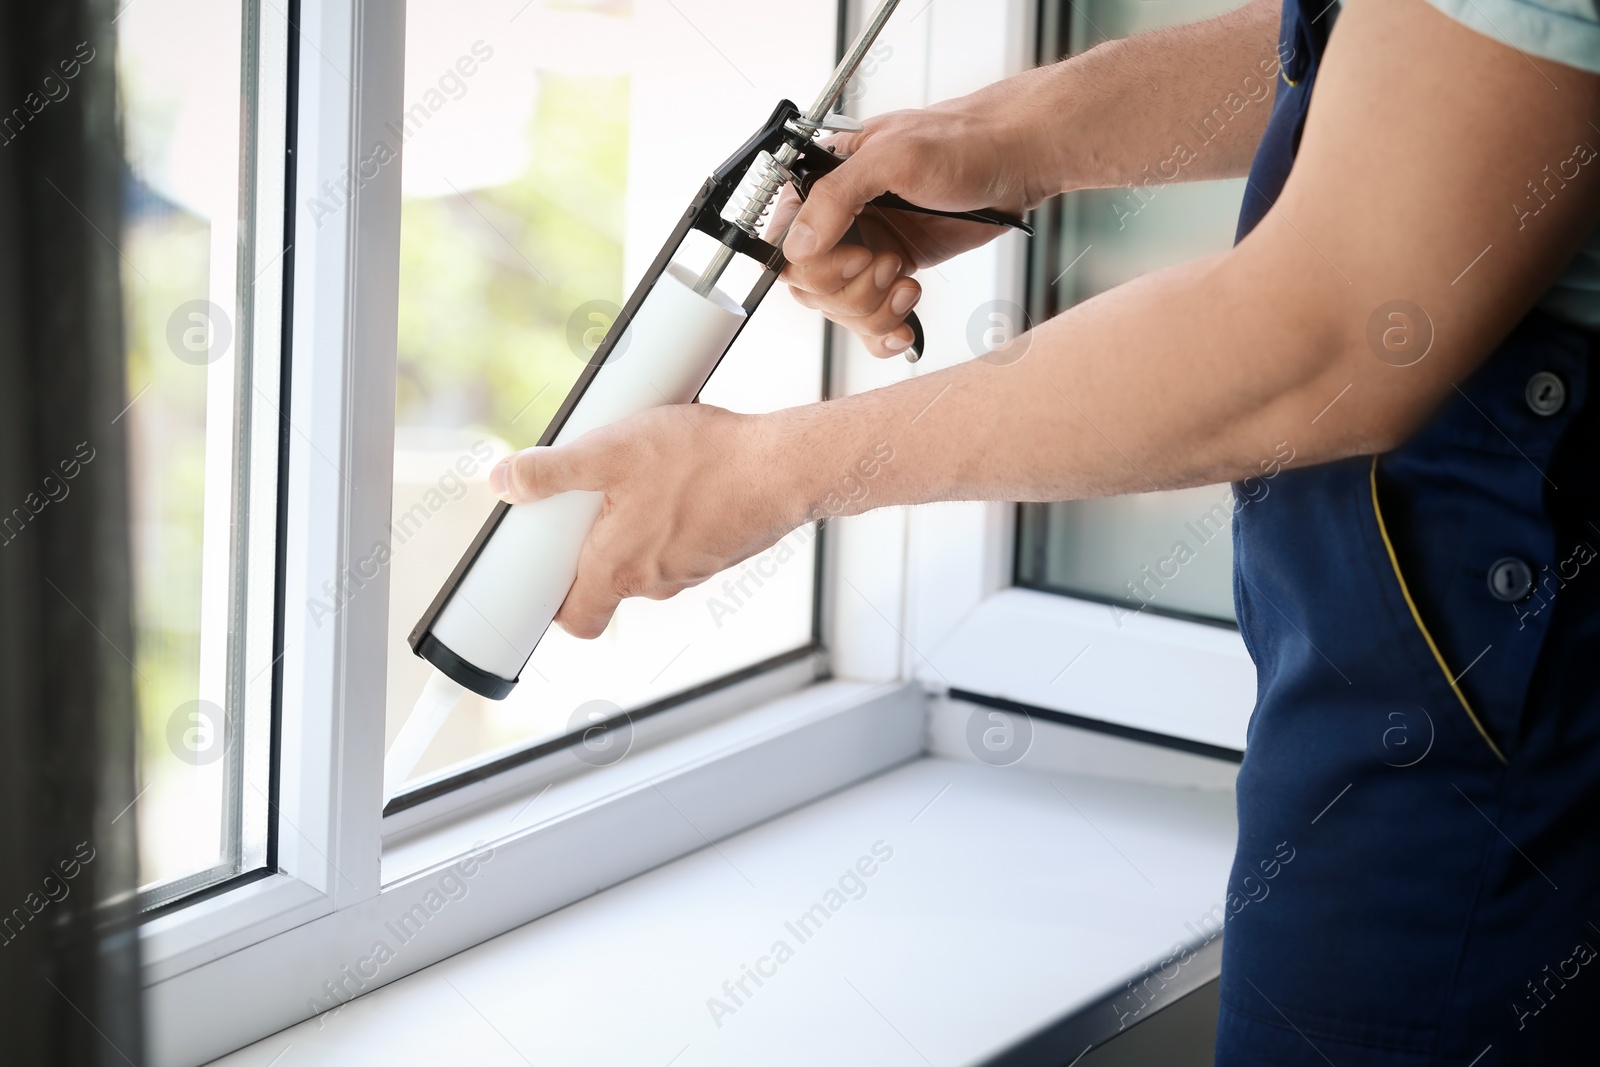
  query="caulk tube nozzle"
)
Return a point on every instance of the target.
[
  {"x": 504, "y": 601},
  {"x": 439, "y": 696}
]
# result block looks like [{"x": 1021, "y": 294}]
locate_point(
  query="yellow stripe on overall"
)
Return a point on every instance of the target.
[{"x": 1416, "y": 616}]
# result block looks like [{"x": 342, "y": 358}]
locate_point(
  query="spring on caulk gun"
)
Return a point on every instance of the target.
[
  {"x": 758, "y": 193},
  {"x": 772, "y": 172},
  {"x": 811, "y": 121}
]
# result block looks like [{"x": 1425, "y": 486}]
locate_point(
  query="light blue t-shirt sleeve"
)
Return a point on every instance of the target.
[{"x": 1565, "y": 31}]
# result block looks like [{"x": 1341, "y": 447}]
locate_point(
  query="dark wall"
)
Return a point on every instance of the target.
[{"x": 68, "y": 954}]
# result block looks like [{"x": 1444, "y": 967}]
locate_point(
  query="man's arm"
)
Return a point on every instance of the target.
[
  {"x": 1120, "y": 108},
  {"x": 1109, "y": 117},
  {"x": 1412, "y": 183}
]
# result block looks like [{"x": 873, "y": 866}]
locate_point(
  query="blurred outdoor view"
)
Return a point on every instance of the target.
[
  {"x": 178, "y": 77},
  {"x": 549, "y": 149}
]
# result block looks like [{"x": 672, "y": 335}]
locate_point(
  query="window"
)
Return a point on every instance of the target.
[
  {"x": 1117, "y": 550},
  {"x": 433, "y": 311},
  {"x": 440, "y": 293},
  {"x": 546, "y": 157},
  {"x": 202, "y": 268}
]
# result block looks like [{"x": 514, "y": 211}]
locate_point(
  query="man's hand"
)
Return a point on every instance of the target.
[
  {"x": 689, "y": 491},
  {"x": 950, "y": 157},
  {"x": 1096, "y": 121}
]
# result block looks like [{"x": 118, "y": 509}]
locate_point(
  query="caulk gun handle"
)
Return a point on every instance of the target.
[{"x": 918, "y": 338}]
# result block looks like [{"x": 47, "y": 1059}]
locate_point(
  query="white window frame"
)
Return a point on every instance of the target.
[
  {"x": 966, "y": 627},
  {"x": 908, "y": 596}
]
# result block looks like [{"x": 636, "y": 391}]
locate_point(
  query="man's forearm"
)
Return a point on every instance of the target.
[
  {"x": 1181, "y": 104},
  {"x": 1106, "y": 398}
]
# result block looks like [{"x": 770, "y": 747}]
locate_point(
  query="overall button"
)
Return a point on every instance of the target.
[
  {"x": 1545, "y": 393},
  {"x": 1510, "y": 580}
]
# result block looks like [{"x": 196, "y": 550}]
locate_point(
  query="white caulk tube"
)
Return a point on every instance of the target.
[
  {"x": 500, "y": 608},
  {"x": 505, "y": 602}
]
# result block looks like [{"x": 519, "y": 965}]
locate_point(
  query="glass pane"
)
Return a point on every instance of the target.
[
  {"x": 189, "y": 128},
  {"x": 179, "y": 80},
  {"x": 549, "y": 148},
  {"x": 1161, "y": 550}
]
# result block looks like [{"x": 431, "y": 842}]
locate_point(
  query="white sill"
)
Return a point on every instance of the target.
[
  {"x": 651, "y": 809},
  {"x": 1012, "y": 899}
]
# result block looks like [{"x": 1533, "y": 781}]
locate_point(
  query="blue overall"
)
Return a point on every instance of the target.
[{"x": 1426, "y": 737}]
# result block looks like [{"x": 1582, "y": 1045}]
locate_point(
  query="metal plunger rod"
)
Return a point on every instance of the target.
[
  {"x": 852, "y": 59},
  {"x": 758, "y": 203}
]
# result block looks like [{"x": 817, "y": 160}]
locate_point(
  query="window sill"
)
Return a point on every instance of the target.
[
  {"x": 999, "y": 925},
  {"x": 668, "y": 801}
]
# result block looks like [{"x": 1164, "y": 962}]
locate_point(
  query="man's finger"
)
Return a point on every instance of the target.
[
  {"x": 538, "y": 472},
  {"x": 833, "y": 205},
  {"x": 828, "y": 273},
  {"x": 596, "y": 591},
  {"x": 587, "y": 611},
  {"x": 889, "y": 345},
  {"x": 887, "y": 310}
]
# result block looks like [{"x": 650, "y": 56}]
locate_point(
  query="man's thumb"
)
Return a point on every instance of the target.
[
  {"x": 539, "y": 472},
  {"x": 833, "y": 205}
]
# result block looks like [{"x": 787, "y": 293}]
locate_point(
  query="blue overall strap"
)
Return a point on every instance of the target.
[{"x": 1302, "y": 37}]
